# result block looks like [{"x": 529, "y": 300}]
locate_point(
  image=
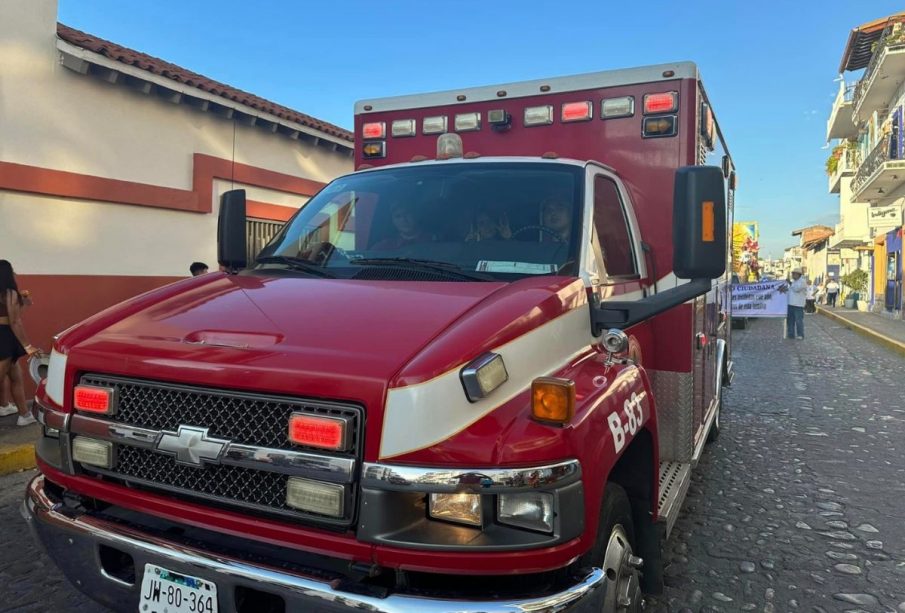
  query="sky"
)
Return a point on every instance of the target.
[{"x": 770, "y": 67}]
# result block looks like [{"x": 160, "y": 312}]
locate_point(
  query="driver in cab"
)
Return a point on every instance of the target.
[{"x": 556, "y": 218}]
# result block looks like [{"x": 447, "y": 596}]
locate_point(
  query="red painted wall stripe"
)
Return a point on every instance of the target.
[
  {"x": 206, "y": 168},
  {"x": 46, "y": 181},
  {"x": 265, "y": 210}
]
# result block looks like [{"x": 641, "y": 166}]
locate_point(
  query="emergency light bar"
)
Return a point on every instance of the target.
[
  {"x": 468, "y": 122},
  {"x": 403, "y": 127},
  {"x": 667, "y": 102},
  {"x": 576, "y": 111},
  {"x": 433, "y": 125},
  {"x": 374, "y": 130},
  {"x": 612, "y": 108},
  {"x": 539, "y": 115}
]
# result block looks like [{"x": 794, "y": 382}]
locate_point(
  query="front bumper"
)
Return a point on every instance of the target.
[{"x": 74, "y": 538}]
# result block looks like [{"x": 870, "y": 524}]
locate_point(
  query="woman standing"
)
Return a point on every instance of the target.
[{"x": 13, "y": 342}]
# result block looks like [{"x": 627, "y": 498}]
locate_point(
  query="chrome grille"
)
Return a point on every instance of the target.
[
  {"x": 246, "y": 419},
  {"x": 240, "y": 417},
  {"x": 232, "y": 485}
]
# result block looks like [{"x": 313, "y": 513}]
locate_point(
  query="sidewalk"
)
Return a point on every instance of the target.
[
  {"x": 886, "y": 331},
  {"x": 17, "y": 445}
]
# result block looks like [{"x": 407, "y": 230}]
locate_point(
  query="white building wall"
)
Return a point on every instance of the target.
[{"x": 53, "y": 117}]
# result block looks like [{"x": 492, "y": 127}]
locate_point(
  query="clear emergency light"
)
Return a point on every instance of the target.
[
  {"x": 434, "y": 125},
  {"x": 468, "y": 122},
  {"x": 539, "y": 115},
  {"x": 449, "y": 146},
  {"x": 612, "y": 108},
  {"x": 403, "y": 127}
]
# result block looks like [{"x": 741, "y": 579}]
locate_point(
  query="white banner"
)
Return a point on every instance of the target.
[{"x": 759, "y": 299}]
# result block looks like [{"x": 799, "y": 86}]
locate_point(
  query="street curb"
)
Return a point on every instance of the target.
[
  {"x": 865, "y": 331},
  {"x": 16, "y": 457}
]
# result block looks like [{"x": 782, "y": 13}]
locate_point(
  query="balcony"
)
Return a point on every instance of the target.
[
  {"x": 884, "y": 74},
  {"x": 840, "y": 124},
  {"x": 845, "y": 165},
  {"x": 880, "y": 174}
]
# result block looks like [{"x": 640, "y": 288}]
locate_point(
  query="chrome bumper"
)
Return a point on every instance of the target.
[{"x": 73, "y": 540}]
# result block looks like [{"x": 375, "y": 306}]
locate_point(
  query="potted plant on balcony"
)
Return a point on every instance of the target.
[
  {"x": 856, "y": 281},
  {"x": 832, "y": 162}
]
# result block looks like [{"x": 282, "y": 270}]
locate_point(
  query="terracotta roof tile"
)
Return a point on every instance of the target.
[{"x": 192, "y": 79}]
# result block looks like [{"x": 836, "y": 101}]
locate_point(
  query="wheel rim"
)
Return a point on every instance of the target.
[{"x": 623, "y": 592}]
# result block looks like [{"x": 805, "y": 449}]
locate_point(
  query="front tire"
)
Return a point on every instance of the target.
[{"x": 614, "y": 553}]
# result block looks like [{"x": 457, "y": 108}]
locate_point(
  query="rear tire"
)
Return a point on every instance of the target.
[{"x": 614, "y": 550}]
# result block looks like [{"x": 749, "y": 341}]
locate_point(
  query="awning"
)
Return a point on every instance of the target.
[{"x": 858, "y": 51}]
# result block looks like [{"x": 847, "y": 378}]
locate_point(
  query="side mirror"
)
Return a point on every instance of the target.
[
  {"x": 699, "y": 249},
  {"x": 231, "y": 247},
  {"x": 699, "y": 223}
]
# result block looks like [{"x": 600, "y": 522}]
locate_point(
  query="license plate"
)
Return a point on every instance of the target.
[{"x": 163, "y": 591}]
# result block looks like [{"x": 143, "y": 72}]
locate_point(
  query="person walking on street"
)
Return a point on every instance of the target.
[
  {"x": 797, "y": 290},
  {"x": 6, "y": 403},
  {"x": 832, "y": 291},
  {"x": 13, "y": 343},
  {"x": 811, "y": 298}
]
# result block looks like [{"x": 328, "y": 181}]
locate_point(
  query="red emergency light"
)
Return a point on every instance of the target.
[
  {"x": 93, "y": 399},
  {"x": 316, "y": 431},
  {"x": 576, "y": 111},
  {"x": 666, "y": 102},
  {"x": 374, "y": 130}
]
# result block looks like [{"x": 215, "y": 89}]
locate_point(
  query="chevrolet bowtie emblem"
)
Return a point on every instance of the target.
[{"x": 191, "y": 446}]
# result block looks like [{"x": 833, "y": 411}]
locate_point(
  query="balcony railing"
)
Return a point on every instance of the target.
[
  {"x": 848, "y": 92},
  {"x": 893, "y": 37},
  {"x": 846, "y": 164},
  {"x": 840, "y": 124},
  {"x": 883, "y": 152}
]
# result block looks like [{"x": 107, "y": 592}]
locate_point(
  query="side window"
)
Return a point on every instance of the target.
[{"x": 612, "y": 229}]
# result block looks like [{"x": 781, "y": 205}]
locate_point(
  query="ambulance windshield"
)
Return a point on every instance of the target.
[{"x": 445, "y": 222}]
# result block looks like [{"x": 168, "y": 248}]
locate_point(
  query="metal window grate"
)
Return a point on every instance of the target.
[{"x": 258, "y": 233}]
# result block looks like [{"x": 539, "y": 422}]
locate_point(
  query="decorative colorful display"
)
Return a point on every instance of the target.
[{"x": 745, "y": 249}]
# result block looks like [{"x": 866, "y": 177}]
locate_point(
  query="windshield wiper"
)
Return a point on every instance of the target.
[
  {"x": 432, "y": 265},
  {"x": 296, "y": 264}
]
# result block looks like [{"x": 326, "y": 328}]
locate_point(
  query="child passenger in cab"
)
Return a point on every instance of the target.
[
  {"x": 408, "y": 229},
  {"x": 486, "y": 228}
]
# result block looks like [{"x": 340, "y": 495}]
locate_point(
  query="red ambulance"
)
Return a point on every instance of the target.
[{"x": 473, "y": 375}]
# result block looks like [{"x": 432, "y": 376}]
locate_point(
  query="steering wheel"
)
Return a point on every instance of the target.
[
  {"x": 320, "y": 253},
  {"x": 544, "y": 229}
]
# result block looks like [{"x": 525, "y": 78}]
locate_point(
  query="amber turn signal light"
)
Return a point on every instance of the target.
[{"x": 552, "y": 399}]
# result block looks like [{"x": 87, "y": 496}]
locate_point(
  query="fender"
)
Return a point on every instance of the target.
[{"x": 617, "y": 407}]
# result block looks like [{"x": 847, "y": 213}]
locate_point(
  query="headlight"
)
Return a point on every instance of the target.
[
  {"x": 531, "y": 511},
  {"x": 56, "y": 372},
  {"x": 459, "y": 508}
]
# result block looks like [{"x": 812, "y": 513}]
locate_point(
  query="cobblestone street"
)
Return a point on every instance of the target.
[{"x": 797, "y": 506}]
